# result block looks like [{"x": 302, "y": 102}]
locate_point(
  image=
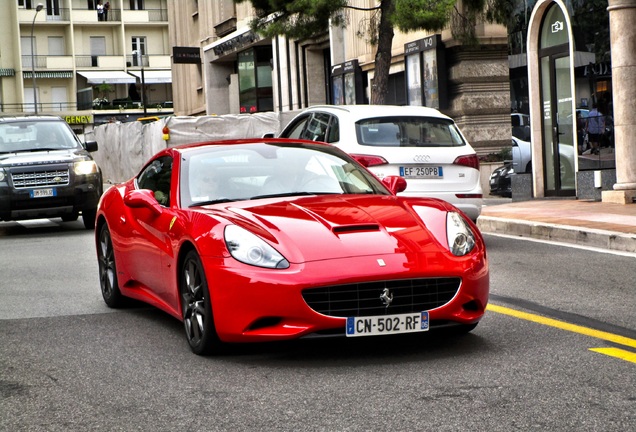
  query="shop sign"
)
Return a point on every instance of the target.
[
  {"x": 83, "y": 119},
  {"x": 191, "y": 55}
]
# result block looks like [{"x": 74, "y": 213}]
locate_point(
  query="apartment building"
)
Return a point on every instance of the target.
[
  {"x": 88, "y": 61},
  {"x": 242, "y": 72}
]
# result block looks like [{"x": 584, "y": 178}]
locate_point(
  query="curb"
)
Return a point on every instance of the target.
[{"x": 589, "y": 237}]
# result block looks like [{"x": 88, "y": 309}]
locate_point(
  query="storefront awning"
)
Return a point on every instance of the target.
[
  {"x": 108, "y": 77},
  {"x": 154, "y": 76},
  {"x": 60, "y": 74}
]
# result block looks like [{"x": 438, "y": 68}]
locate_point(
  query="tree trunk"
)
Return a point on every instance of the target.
[{"x": 380, "y": 86}]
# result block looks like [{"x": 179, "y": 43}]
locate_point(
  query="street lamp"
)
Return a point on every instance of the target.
[
  {"x": 38, "y": 8},
  {"x": 140, "y": 59}
]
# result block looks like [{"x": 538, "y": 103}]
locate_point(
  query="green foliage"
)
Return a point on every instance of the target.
[
  {"x": 304, "y": 19},
  {"x": 299, "y": 19},
  {"x": 502, "y": 155},
  {"x": 422, "y": 14}
]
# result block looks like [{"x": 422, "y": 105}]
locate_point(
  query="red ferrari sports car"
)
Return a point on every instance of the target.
[{"x": 273, "y": 239}]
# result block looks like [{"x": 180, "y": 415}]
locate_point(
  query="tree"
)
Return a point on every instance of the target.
[{"x": 301, "y": 19}]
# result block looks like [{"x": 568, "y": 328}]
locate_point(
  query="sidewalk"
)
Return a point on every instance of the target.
[{"x": 585, "y": 223}]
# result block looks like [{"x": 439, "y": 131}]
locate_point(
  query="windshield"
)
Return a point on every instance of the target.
[
  {"x": 408, "y": 132},
  {"x": 25, "y": 136},
  {"x": 256, "y": 171}
]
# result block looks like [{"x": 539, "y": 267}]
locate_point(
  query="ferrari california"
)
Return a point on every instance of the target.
[{"x": 276, "y": 239}]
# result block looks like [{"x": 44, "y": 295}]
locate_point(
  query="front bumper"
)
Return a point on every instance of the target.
[
  {"x": 82, "y": 193},
  {"x": 257, "y": 305}
]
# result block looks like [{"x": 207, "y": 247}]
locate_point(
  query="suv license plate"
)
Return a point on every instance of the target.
[
  {"x": 421, "y": 172},
  {"x": 387, "y": 324},
  {"x": 42, "y": 193}
]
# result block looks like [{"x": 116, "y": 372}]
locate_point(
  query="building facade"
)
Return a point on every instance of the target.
[
  {"x": 86, "y": 60},
  {"x": 241, "y": 72},
  {"x": 573, "y": 74}
]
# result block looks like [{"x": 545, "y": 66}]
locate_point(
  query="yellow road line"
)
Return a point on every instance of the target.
[
  {"x": 617, "y": 352},
  {"x": 564, "y": 325}
]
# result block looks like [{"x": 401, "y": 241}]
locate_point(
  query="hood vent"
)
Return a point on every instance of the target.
[{"x": 344, "y": 229}]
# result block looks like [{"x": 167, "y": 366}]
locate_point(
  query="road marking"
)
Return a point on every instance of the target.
[
  {"x": 617, "y": 352},
  {"x": 565, "y": 244},
  {"x": 610, "y": 337}
]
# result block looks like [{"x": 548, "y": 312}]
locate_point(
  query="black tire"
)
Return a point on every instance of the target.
[
  {"x": 108, "y": 270},
  {"x": 88, "y": 216},
  {"x": 70, "y": 217},
  {"x": 196, "y": 307}
]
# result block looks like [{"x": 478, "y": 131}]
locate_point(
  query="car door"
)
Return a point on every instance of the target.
[{"x": 149, "y": 231}]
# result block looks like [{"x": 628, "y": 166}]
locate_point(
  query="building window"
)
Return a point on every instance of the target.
[
  {"x": 136, "y": 4},
  {"x": 56, "y": 46},
  {"x": 139, "y": 51},
  {"x": 255, "y": 80}
]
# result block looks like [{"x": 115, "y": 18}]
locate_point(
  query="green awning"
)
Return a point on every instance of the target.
[
  {"x": 61, "y": 74},
  {"x": 7, "y": 72}
]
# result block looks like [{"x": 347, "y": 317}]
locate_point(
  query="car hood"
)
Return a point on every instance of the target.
[
  {"x": 339, "y": 226},
  {"x": 40, "y": 157}
]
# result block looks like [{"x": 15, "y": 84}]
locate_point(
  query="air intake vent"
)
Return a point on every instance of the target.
[{"x": 363, "y": 299}]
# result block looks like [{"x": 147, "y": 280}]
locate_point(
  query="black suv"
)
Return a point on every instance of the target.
[{"x": 45, "y": 171}]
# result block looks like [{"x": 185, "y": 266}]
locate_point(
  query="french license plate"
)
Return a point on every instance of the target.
[
  {"x": 421, "y": 172},
  {"x": 387, "y": 324},
  {"x": 42, "y": 193}
]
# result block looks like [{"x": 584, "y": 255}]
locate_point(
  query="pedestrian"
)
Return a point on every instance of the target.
[
  {"x": 595, "y": 128},
  {"x": 100, "y": 11},
  {"x": 106, "y": 9}
]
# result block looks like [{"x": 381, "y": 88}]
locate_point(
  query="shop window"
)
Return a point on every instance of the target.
[{"x": 255, "y": 80}]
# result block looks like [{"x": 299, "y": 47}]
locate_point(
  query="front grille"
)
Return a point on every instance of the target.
[
  {"x": 31, "y": 179},
  {"x": 363, "y": 299}
]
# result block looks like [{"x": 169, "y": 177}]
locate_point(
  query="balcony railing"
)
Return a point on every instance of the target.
[
  {"x": 42, "y": 107},
  {"x": 109, "y": 61},
  {"x": 154, "y": 15},
  {"x": 27, "y": 61},
  {"x": 133, "y": 60}
]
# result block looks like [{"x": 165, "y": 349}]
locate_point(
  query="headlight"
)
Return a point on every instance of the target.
[
  {"x": 250, "y": 249},
  {"x": 461, "y": 239},
  {"x": 85, "y": 167},
  {"x": 2, "y": 175}
]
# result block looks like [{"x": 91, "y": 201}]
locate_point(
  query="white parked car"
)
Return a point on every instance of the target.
[{"x": 420, "y": 144}]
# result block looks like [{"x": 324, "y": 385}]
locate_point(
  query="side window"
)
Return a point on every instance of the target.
[
  {"x": 296, "y": 129},
  {"x": 156, "y": 177},
  {"x": 333, "y": 134},
  {"x": 317, "y": 127}
]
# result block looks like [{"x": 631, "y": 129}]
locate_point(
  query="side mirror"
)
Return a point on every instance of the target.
[
  {"x": 396, "y": 184},
  {"x": 90, "y": 146},
  {"x": 143, "y": 198},
  {"x": 268, "y": 135}
]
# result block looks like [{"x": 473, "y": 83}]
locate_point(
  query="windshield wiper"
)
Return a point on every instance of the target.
[
  {"x": 289, "y": 194},
  {"x": 210, "y": 202},
  {"x": 41, "y": 149}
]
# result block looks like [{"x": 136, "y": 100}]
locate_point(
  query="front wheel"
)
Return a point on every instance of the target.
[
  {"x": 196, "y": 307},
  {"x": 108, "y": 269}
]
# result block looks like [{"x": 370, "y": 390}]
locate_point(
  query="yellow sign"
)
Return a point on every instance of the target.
[{"x": 84, "y": 119}]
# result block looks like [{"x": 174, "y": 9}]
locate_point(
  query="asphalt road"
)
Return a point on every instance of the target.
[{"x": 68, "y": 363}]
